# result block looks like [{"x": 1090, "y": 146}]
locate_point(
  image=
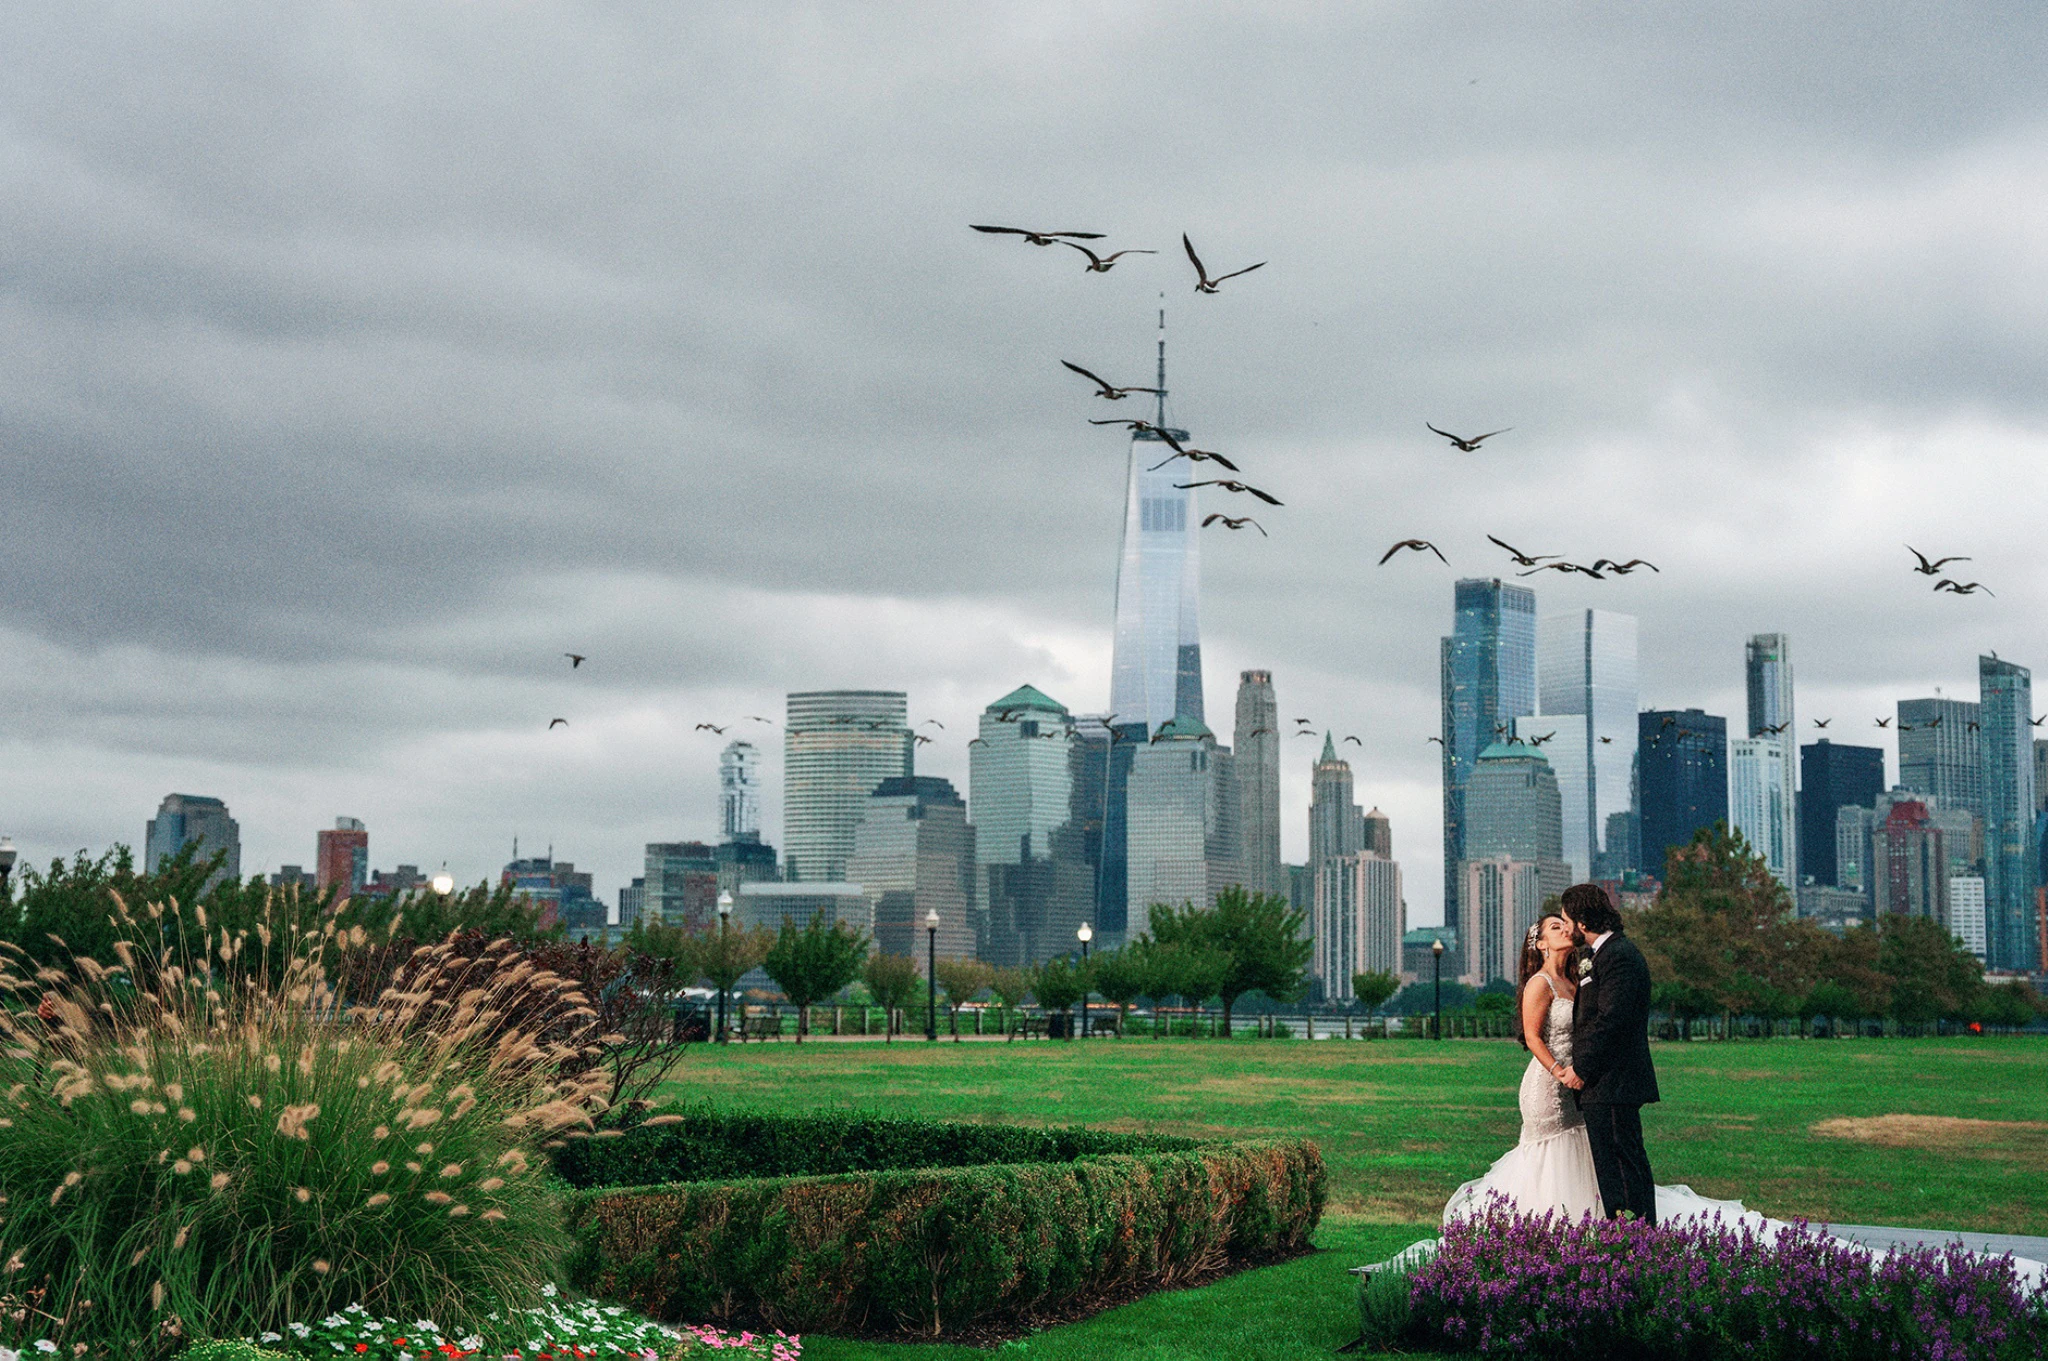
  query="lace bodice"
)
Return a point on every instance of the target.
[{"x": 1547, "y": 1106}]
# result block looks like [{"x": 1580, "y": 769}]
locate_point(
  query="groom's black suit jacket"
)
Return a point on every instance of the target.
[{"x": 1611, "y": 1028}]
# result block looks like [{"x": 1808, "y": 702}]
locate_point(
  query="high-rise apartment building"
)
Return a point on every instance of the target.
[
  {"x": 1498, "y": 901},
  {"x": 1183, "y": 837},
  {"x": 560, "y": 891},
  {"x": 1938, "y": 743},
  {"x": 1255, "y": 752},
  {"x": 1488, "y": 679},
  {"x": 2005, "y": 698},
  {"x": 1336, "y": 824},
  {"x": 1156, "y": 659},
  {"x": 182, "y": 818},
  {"x": 1358, "y": 923},
  {"x": 739, "y": 790},
  {"x": 1513, "y": 812},
  {"x": 1966, "y": 913},
  {"x": 1909, "y": 869},
  {"x": 1033, "y": 874},
  {"x": 1767, "y": 665},
  {"x": 837, "y": 745},
  {"x": 1587, "y": 688},
  {"x": 1756, "y": 801},
  {"x": 914, "y": 854},
  {"x": 1681, "y": 779},
  {"x": 680, "y": 885},
  {"x": 1832, "y": 778},
  {"x": 1379, "y": 835},
  {"x": 341, "y": 858}
]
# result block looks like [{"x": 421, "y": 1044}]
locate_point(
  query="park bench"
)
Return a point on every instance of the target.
[
  {"x": 763, "y": 1028},
  {"x": 1032, "y": 1027}
]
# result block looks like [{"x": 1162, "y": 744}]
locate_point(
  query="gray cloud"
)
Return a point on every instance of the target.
[{"x": 355, "y": 361}]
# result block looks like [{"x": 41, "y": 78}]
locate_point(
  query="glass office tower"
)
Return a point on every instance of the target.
[
  {"x": 1489, "y": 680},
  {"x": 1938, "y": 751},
  {"x": 837, "y": 745},
  {"x": 1586, "y": 691},
  {"x": 1767, "y": 662},
  {"x": 1256, "y": 749},
  {"x": 2005, "y": 698},
  {"x": 1682, "y": 776}
]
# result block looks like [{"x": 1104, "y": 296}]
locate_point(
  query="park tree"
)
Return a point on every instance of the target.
[
  {"x": 1011, "y": 987},
  {"x": 1371, "y": 990},
  {"x": 1263, "y": 939},
  {"x": 960, "y": 980},
  {"x": 1932, "y": 976},
  {"x": 810, "y": 963},
  {"x": 1059, "y": 984},
  {"x": 1121, "y": 977},
  {"x": 893, "y": 981},
  {"x": 1191, "y": 971},
  {"x": 721, "y": 955}
]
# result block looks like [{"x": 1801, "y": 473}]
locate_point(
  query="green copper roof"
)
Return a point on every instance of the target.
[
  {"x": 1329, "y": 749},
  {"x": 1510, "y": 751},
  {"x": 1183, "y": 726},
  {"x": 1027, "y": 697}
]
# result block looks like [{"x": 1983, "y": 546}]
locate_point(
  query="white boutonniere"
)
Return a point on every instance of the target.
[{"x": 1585, "y": 967}]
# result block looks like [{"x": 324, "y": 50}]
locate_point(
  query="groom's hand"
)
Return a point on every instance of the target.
[{"x": 1572, "y": 1080}]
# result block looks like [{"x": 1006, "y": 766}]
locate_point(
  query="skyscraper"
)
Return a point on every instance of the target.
[
  {"x": 1156, "y": 663},
  {"x": 1255, "y": 752},
  {"x": 1183, "y": 839},
  {"x": 1908, "y": 864},
  {"x": 680, "y": 886},
  {"x": 1512, "y": 806},
  {"x": 1498, "y": 900},
  {"x": 1832, "y": 778},
  {"x": 1938, "y": 751},
  {"x": 1379, "y": 834},
  {"x": 739, "y": 790},
  {"x": 1586, "y": 692},
  {"x": 913, "y": 853},
  {"x": 194, "y": 817},
  {"x": 1682, "y": 778},
  {"x": 1756, "y": 800},
  {"x": 341, "y": 858},
  {"x": 1488, "y": 666},
  {"x": 1101, "y": 753},
  {"x": 1358, "y": 923},
  {"x": 837, "y": 745},
  {"x": 1336, "y": 825},
  {"x": 1767, "y": 664},
  {"x": 2005, "y": 698},
  {"x": 1033, "y": 874}
]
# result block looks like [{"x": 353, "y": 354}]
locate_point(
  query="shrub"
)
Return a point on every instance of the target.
[
  {"x": 1384, "y": 1311},
  {"x": 1550, "y": 1287},
  {"x": 707, "y": 1144},
  {"x": 936, "y": 1249},
  {"x": 198, "y": 1145}
]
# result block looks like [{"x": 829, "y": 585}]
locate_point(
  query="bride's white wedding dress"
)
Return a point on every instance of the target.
[{"x": 1550, "y": 1170}]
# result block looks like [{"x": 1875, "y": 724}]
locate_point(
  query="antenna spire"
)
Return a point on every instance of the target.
[{"x": 1161, "y": 381}]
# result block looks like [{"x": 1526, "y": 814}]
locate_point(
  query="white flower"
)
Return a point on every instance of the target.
[
  {"x": 43, "y": 1344},
  {"x": 9, "y": 1354},
  {"x": 547, "y": 1290},
  {"x": 261, "y": 1337}
]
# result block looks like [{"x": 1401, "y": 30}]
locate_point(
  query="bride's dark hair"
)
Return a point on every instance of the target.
[{"x": 1532, "y": 964}]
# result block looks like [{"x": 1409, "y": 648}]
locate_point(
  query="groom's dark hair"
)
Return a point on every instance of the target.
[{"x": 1590, "y": 907}]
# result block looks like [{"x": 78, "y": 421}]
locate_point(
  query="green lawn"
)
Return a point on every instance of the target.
[{"x": 1401, "y": 1123}]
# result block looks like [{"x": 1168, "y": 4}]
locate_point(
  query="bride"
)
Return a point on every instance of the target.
[{"x": 1550, "y": 1169}]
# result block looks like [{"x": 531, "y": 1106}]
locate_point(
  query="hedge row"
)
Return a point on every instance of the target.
[
  {"x": 939, "y": 1249},
  {"x": 706, "y": 1144}
]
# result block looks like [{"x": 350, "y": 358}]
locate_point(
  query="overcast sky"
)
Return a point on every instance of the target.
[{"x": 357, "y": 360}]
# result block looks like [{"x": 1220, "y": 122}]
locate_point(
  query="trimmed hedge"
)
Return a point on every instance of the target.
[
  {"x": 936, "y": 1249},
  {"x": 704, "y": 1144}
]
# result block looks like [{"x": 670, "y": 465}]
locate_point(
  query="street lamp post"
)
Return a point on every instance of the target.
[
  {"x": 444, "y": 882},
  {"x": 724, "y": 916},
  {"x": 931, "y": 975},
  {"x": 1436, "y": 956},
  {"x": 1086, "y": 934}
]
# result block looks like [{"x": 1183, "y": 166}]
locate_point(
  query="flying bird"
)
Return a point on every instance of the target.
[
  {"x": 1930, "y": 569},
  {"x": 1114, "y": 394},
  {"x": 1304, "y": 734},
  {"x": 932, "y": 723},
  {"x": 1622, "y": 569},
  {"x": 1905, "y": 727},
  {"x": 713, "y": 727},
  {"x": 920, "y": 739},
  {"x": 1521, "y": 559},
  {"x": 1415, "y": 545},
  {"x": 1204, "y": 283},
  {"x": 1237, "y": 523},
  {"x": 1884, "y": 722},
  {"x": 1774, "y": 728},
  {"x": 1349, "y": 738},
  {"x": 756, "y": 718},
  {"x": 1229, "y": 485},
  {"x": 1539, "y": 741},
  {"x": 1933, "y": 722},
  {"x": 1971, "y": 725},
  {"x": 1606, "y": 739},
  {"x": 576, "y": 659},
  {"x": 1256, "y": 732},
  {"x": 557, "y": 723},
  {"x": 1139, "y": 427},
  {"x": 1101, "y": 264},
  {"x": 2037, "y": 722},
  {"x": 1566, "y": 567},
  {"x": 1468, "y": 445},
  {"x": 1038, "y": 238},
  {"x": 1822, "y": 722},
  {"x": 1438, "y": 740},
  {"x": 1963, "y": 588},
  {"x": 1192, "y": 456}
]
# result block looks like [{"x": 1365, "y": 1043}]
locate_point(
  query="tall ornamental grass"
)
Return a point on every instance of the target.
[{"x": 218, "y": 1143}]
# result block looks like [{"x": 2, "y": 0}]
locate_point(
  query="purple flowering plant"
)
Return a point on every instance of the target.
[{"x": 1502, "y": 1282}]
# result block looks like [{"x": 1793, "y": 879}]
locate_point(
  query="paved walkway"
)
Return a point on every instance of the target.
[{"x": 1877, "y": 1236}]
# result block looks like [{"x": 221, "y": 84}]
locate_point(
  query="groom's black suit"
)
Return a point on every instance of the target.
[{"x": 1611, "y": 1052}]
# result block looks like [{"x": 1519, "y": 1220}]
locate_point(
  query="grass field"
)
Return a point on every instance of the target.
[{"x": 1946, "y": 1133}]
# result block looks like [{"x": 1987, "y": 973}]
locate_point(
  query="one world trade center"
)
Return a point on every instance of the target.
[{"x": 1156, "y": 669}]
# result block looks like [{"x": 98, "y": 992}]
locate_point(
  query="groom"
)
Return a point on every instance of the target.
[{"x": 1610, "y": 1067}]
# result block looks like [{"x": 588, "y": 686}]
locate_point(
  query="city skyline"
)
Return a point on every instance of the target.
[{"x": 502, "y": 391}]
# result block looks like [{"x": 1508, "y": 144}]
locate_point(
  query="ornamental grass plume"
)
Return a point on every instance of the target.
[{"x": 209, "y": 1140}]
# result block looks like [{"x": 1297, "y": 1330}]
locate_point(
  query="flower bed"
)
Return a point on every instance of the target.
[
  {"x": 932, "y": 1250},
  {"x": 1517, "y": 1285}
]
